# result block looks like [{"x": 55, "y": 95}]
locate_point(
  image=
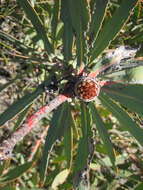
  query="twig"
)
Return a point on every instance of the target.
[{"x": 7, "y": 146}]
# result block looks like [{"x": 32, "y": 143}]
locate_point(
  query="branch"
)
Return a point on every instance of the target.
[{"x": 7, "y": 146}]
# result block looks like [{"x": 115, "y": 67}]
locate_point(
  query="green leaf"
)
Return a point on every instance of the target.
[
  {"x": 54, "y": 22},
  {"x": 57, "y": 127},
  {"x": 103, "y": 133},
  {"x": 36, "y": 22},
  {"x": 79, "y": 14},
  {"x": 68, "y": 139},
  {"x": 85, "y": 120},
  {"x": 22, "y": 103},
  {"x": 139, "y": 186},
  {"x": 130, "y": 95},
  {"x": 21, "y": 117},
  {"x": 135, "y": 74},
  {"x": 79, "y": 17},
  {"x": 68, "y": 30},
  {"x": 112, "y": 27},
  {"x": 80, "y": 47},
  {"x": 127, "y": 122},
  {"x": 82, "y": 156},
  {"x": 99, "y": 9},
  {"x": 81, "y": 159},
  {"x": 16, "y": 172},
  {"x": 85, "y": 148}
]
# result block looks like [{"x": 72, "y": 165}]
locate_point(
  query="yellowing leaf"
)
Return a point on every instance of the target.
[{"x": 60, "y": 178}]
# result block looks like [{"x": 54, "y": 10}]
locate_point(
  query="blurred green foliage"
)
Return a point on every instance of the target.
[{"x": 40, "y": 40}]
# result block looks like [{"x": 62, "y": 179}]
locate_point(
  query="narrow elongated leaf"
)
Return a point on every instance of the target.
[
  {"x": 81, "y": 163},
  {"x": 54, "y": 22},
  {"x": 126, "y": 121},
  {"x": 79, "y": 18},
  {"x": 83, "y": 151},
  {"x": 79, "y": 14},
  {"x": 21, "y": 117},
  {"x": 84, "y": 148},
  {"x": 99, "y": 10},
  {"x": 112, "y": 27},
  {"x": 68, "y": 139},
  {"x": 81, "y": 159},
  {"x": 85, "y": 121},
  {"x": 68, "y": 30},
  {"x": 16, "y": 172},
  {"x": 77, "y": 25},
  {"x": 130, "y": 95},
  {"x": 135, "y": 74},
  {"x": 103, "y": 133},
  {"x": 22, "y": 103},
  {"x": 36, "y": 22},
  {"x": 58, "y": 124},
  {"x": 80, "y": 47}
]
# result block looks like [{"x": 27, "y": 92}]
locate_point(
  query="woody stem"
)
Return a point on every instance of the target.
[{"x": 7, "y": 146}]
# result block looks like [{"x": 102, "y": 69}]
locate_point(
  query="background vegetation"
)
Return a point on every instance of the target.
[{"x": 48, "y": 39}]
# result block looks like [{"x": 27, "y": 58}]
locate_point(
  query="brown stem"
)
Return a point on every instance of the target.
[{"x": 7, "y": 146}]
